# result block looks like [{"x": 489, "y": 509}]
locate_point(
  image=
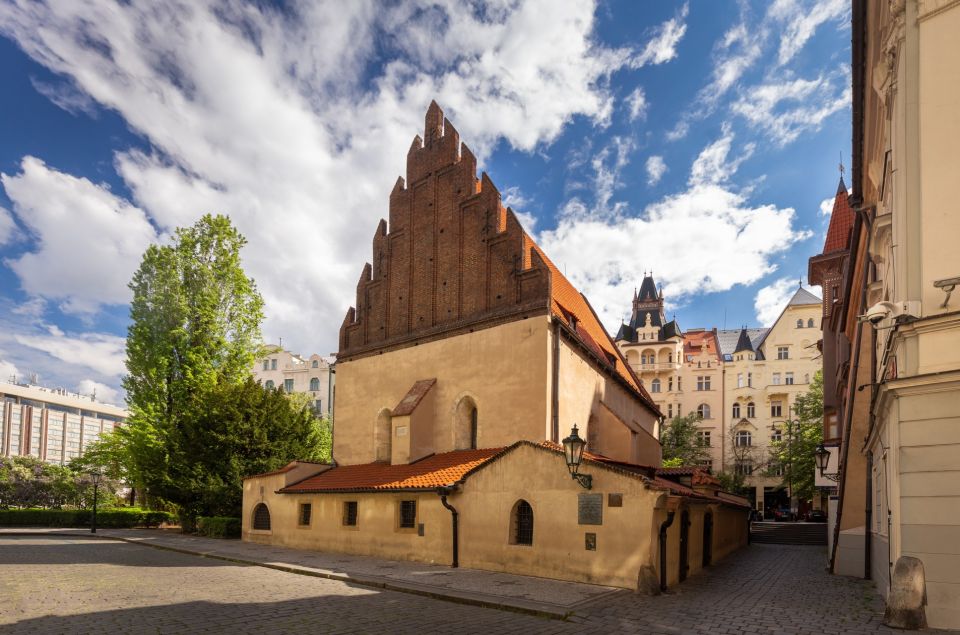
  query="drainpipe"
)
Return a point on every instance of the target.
[
  {"x": 443, "y": 492},
  {"x": 663, "y": 549},
  {"x": 555, "y": 396}
]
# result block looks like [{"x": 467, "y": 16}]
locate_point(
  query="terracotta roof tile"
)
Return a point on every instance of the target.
[
  {"x": 413, "y": 397},
  {"x": 567, "y": 302},
  {"x": 841, "y": 222},
  {"x": 429, "y": 473}
]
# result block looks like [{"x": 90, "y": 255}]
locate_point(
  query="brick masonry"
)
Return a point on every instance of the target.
[{"x": 452, "y": 257}]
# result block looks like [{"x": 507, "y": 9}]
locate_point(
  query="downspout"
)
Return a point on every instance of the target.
[
  {"x": 663, "y": 549},
  {"x": 555, "y": 388},
  {"x": 851, "y": 397},
  {"x": 455, "y": 516}
]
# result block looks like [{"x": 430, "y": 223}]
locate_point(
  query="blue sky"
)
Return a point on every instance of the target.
[{"x": 698, "y": 140}]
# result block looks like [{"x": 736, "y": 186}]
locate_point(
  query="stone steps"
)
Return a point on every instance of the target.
[{"x": 789, "y": 533}]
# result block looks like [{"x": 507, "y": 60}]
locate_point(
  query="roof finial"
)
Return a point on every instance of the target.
[
  {"x": 841, "y": 164},
  {"x": 801, "y": 283}
]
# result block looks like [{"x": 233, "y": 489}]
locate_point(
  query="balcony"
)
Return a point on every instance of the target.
[{"x": 657, "y": 366}]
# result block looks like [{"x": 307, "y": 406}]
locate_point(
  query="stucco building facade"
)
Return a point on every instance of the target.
[
  {"x": 466, "y": 360},
  {"x": 314, "y": 376},
  {"x": 741, "y": 383},
  {"x": 52, "y": 424},
  {"x": 896, "y": 442}
]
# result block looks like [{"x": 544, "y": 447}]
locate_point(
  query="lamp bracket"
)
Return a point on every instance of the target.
[{"x": 585, "y": 480}]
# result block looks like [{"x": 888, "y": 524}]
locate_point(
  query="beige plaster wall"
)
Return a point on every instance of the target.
[
  {"x": 626, "y": 540},
  {"x": 505, "y": 369},
  {"x": 605, "y": 413}
]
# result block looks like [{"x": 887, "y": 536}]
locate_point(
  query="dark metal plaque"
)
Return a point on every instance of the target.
[
  {"x": 614, "y": 500},
  {"x": 590, "y": 509}
]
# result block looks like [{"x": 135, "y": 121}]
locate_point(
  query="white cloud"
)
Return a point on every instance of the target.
[
  {"x": 87, "y": 241},
  {"x": 607, "y": 166},
  {"x": 656, "y": 168},
  {"x": 826, "y": 206},
  {"x": 713, "y": 164},
  {"x": 771, "y": 299},
  {"x": 800, "y": 21},
  {"x": 705, "y": 239},
  {"x": 66, "y": 96},
  {"x": 662, "y": 47},
  {"x": 637, "y": 104},
  {"x": 8, "y": 372},
  {"x": 102, "y": 392},
  {"x": 8, "y": 228},
  {"x": 785, "y": 110},
  {"x": 102, "y": 353},
  {"x": 294, "y": 122}
]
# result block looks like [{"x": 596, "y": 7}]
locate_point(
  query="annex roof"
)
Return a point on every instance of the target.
[
  {"x": 436, "y": 470},
  {"x": 728, "y": 339}
]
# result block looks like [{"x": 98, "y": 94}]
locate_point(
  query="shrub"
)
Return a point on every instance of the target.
[
  {"x": 107, "y": 518},
  {"x": 218, "y": 526}
]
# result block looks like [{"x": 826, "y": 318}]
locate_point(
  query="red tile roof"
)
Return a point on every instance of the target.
[
  {"x": 695, "y": 342},
  {"x": 429, "y": 473},
  {"x": 841, "y": 222},
  {"x": 567, "y": 303},
  {"x": 413, "y": 397}
]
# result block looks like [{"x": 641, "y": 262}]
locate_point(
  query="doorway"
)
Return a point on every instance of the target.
[{"x": 684, "y": 544}]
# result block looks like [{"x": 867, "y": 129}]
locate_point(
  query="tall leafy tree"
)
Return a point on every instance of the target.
[
  {"x": 795, "y": 452},
  {"x": 195, "y": 329},
  {"x": 682, "y": 445}
]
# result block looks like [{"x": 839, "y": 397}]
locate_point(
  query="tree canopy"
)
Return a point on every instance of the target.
[
  {"x": 199, "y": 423},
  {"x": 682, "y": 446},
  {"x": 795, "y": 452}
]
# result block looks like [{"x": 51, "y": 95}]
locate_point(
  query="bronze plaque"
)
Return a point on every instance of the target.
[
  {"x": 614, "y": 500},
  {"x": 590, "y": 542},
  {"x": 590, "y": 509}
]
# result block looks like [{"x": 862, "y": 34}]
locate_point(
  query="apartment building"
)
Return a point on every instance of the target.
[
  {"x": 52, "y": 424},
  {"x": 314, "y": 375}
]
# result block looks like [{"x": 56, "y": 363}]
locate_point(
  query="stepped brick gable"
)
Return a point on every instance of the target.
[{"x": 451, "y": 258}]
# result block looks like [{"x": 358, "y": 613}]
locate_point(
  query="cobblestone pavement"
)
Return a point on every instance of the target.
[{"x": 75, "y": 585}]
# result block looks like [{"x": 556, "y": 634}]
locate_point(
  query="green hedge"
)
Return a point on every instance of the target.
[
  {"x": 118, "y": 518},
  {"x": 218, "y": 526}
]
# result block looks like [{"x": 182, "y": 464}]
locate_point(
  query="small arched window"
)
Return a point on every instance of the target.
[
  {"x": 269, "y": 384},
  {"x": 744, "y": 439},
  {"x": 522, "y": 523},
  {"x": 736, "y": 411},
  {"x": 810, "y": 323},
  {"x": 316, "y": 364},
  {"x": 703, "y": 411},
  {"x": 751, "y": 410},
  {"x": 314, "y": 384},
  {"x": 799, "y": 324},
  {"x": 655, "y": 385},
  {"x": 261, "y": 517}
]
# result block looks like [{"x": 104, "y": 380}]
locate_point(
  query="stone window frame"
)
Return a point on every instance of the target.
[
  {"x": 522, "y": 536},
  {"x": 345, "y": 515},
  {"x": 308, "y": 507},
  {"x": 253, "y": 519},
  {"x": 399, "y": 523}
]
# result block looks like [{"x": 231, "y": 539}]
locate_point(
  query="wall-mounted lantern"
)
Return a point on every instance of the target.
[
  {"x": 822, "y": 455},
  {"x": 573, "y": 453}
]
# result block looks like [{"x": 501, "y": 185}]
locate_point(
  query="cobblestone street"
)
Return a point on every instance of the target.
[{"x": 75, "y": 585}]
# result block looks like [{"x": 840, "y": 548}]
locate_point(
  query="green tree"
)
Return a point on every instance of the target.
[
  {"x": 682, "y": 446},
  {"x": 237, "y": 430},
  {"x": 195, "y": 330},
  {"x": 733, "y": 483},
  {"x": 795, "y": 451}
]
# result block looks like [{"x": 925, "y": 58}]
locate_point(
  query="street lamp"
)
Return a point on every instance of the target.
[
  {"x": 573, "y": 453},
  {"x": 823, "y": 460},
  {"x": 96, "y": 475}
]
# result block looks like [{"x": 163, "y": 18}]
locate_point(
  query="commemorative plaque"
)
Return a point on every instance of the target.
[{"x": 590, "y": 509}]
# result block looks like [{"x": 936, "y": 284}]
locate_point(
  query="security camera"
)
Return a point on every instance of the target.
[
  {"x": 883, "y": 310},
  {"x": 878, "y": 312}
]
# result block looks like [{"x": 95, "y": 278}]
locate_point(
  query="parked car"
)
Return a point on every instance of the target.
[
  {"x": 782, "y": 514},
  {"x": 816, "y": 516}
]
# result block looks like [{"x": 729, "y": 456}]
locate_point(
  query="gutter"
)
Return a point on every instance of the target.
[
  {"x": 663, "y": 549},
  {"x": 443, "y": 492}
]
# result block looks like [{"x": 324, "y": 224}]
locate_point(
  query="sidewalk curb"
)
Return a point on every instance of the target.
[{"x": 377, "y": 583}]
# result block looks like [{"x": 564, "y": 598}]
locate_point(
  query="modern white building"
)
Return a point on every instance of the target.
[
  {"x": 52, "y": 424},
  {"x": 314, "y": 375}
]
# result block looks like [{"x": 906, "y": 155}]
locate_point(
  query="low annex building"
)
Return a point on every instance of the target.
[{"x": 466, "y": 360}]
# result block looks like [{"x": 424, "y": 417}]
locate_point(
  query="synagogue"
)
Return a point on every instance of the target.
[{"x": 484, "y": 417}]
